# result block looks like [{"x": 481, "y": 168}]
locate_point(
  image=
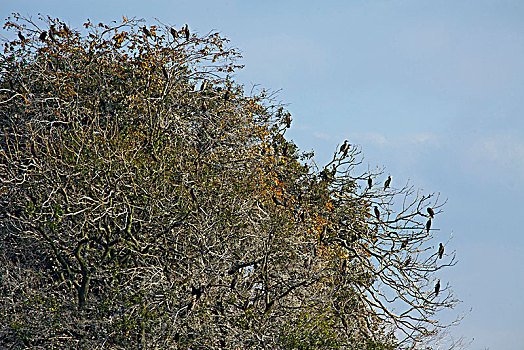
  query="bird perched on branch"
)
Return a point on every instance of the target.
[
  {"x": 174, "y": 33},
  {"x": 377, "y": 213},
  {"x": 42, "y": 35},
  {"x": 437, "y": 288},
  {"x": 440, "y": 251},
  {"x": 344, "y": 147},
  {"x": 186, "y": 32},
  {"x": 146, "y": 31},
  {"x": 388, "y": 182},
  {"x": 21, "y": 36},
  {"x": 428, "y": 225},
  {"x": 370, "y": 182},
  {"x": 430, "y": 212},
  {"x": 203, "y": 85}
]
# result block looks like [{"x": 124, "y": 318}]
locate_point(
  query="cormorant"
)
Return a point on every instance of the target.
[
  {"x": 146, "y": 31},
  {"x": 370, "y": 182},
  {"x": 428, "y": 225},
  {"x": 344, "y": 146},
  {"x": 431, "y": 212},
  {"x": 186, "y": 32},
  {"x": 377, "y": 213},
  {"x": 437, "y": 288},
  {"x": 42, "y": 35},
  {"x": 440, "y": 251},
  {"x": 388, "y": 182},
  {"x": 21, "y": 36},
  {"x": 174, "y": 33},
  {"x": 204, "y": 85},
  {"x": 288, "y": 120}
]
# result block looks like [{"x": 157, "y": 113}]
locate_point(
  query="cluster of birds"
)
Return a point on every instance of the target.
[
  {"x": 344, "y": 149},
  {"x": 52, "y": 31}
]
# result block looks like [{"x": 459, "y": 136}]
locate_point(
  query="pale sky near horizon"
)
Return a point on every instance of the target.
[{"x": 431, "y": 90}]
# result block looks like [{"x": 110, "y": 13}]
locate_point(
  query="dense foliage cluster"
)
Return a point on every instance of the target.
[{"x": 147, "y": 201}]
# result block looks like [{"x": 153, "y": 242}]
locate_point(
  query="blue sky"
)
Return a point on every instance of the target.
[{"x": 431, "y": 90}]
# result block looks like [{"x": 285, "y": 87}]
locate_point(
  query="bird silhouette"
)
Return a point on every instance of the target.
[
  {"x": 146, "y": 31},
  {"x": 42, "y": 35},
  {"x": 430, "y": 212},
  {"x": 344, "y": 146},
  {"x": 437, "y": 288},
  {"x": 388, "y": 182},
  {"x": 440, "y": 251},
  {"x": 428, "y": 225},
  {"x": 174, "y": 33},
  {"x": 377, "y": 213},
  {"x": 204, "y": 85},
  {"x": 370, "y": 182},
  {"x": 21, "y": 36},
  {"x": 186, "y": 32}
]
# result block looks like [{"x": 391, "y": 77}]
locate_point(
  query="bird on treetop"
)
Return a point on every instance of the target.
[
  {"x": 431, "y": 212},
  {"x": 370, "y": 182},
  {"x": 377, "y": 213},
  {"x": 174, "y": 33},
  {"x": 344, "y": 146},
  {"x": 146, "y": 31},
  {"x": 21, "y": 36},
  {"x": 388, "y": 182},
  {"x": 440, "y": 251},
  {"x": 437, "y": 288},
  {"x": 186, "y": 32},
  {"x": 428, "y": 225},
  {"x": 42, "y": 35}
]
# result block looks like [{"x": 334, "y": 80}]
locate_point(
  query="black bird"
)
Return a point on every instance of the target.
[
  {"x": 431, "y": 212},
  {"x": 388, "y": 182},
  {"x": 440, "y": 251},
  {"x": 404, "y": 243},
  {"x": 437, "y": 288},
  {"x": 344, "y": 146},
  {"x": 288, "y": 120},
  {"x": 146, "y": 31},
  {"x": 428, "y": 225},
  {"x": 66, "y": 28},
  {"x": 370, "y": 182},
  {"x": 42, "y": 35},
  {"x": 204, "y": 85},
  {"x": 21, "y": 36},
  {"x": 186, "y": 32},
  {"x": 377, "y": 213},
  {"x": 174, "y": 33},
  {"x": 164, "y": 71}
]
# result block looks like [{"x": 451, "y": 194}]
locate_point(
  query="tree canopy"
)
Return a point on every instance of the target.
[{"x": 148, "y": 201}]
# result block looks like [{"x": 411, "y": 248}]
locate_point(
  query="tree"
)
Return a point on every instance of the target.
[{"x": 139, "y": 210}]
